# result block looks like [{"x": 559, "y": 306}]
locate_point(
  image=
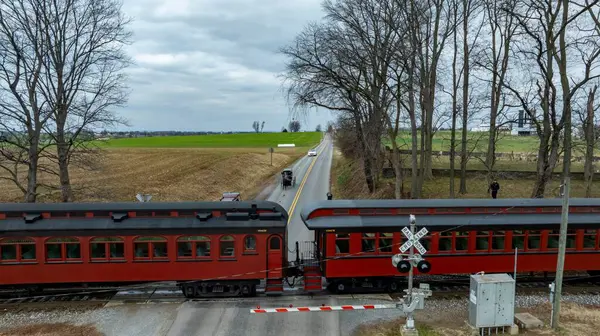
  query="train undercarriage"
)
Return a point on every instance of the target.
[{"x": 206, "y": 289}]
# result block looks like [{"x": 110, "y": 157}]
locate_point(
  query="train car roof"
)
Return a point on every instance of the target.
[
  {"x": 441, "y": 222},
  {"x": 259, "y": 216},
  {"x": 145, "y": 206},
  {"x": 445, "y": 203}
]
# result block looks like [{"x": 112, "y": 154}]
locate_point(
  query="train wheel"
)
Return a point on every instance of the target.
[
  {"x": 392, "y": 287},
  {"x": 340, "y": 287},
  {"x": 188, "y": 291}
]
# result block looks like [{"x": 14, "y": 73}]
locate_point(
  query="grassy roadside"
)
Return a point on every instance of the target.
[
  {"x": 576, "y": 320},
  {"x": 348, "y": 183}
]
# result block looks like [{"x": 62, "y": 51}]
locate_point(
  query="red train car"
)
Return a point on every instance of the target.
[
  {"x": 210, "y": 248},
  {"x": 356, "y": 239}
]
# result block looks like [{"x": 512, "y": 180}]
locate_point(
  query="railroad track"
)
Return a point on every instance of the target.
[
  {"x": 448, "y": 288},
  {"x": 46, "y": 302}
]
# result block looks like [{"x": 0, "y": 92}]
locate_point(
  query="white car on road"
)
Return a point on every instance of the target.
[{"x": 312, "y": 152}]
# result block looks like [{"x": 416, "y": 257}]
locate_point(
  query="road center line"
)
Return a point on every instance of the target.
[{"x": 302, "y": 183}]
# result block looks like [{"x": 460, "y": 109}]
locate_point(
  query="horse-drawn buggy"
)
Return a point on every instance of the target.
[{"x": 287, "y": 178}]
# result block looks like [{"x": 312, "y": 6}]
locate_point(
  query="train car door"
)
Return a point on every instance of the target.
[{"x": 274, "y": 257}]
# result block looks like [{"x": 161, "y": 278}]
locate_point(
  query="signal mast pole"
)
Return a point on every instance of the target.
[
  {"x": 410, "y": 322},
  {"x": 562, "y": 246}
]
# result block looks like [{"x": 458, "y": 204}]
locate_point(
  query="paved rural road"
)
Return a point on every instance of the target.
[
  {"x": 312, "y": 184},
  {"x": 234, "y": 318}
]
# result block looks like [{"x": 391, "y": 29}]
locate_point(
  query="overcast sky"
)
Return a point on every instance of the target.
[{"x": 211, "y": 65}]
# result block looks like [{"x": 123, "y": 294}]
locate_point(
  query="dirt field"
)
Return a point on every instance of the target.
[
  {"x": 576, "y": 320},
  {"x": 187, "y": 174}
]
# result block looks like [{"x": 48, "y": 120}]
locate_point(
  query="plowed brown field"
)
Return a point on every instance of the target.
[{"x": 190, "y": 174}]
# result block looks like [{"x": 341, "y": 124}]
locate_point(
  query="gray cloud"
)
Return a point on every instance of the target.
[{"x": 212, "y": 65}]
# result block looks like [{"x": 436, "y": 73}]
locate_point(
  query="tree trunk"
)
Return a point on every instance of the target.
[
  {"x": 415, "y": 184},
  {"x": 454, "y": 108},
  {"x": 547, "y": 160},
  {"x": 465, "y": 100},
  {"x": 490, "y": 158},
  {"x": 428, "y": 146},
  {"x": 423, "y": 144},
  {"x": 463, "y": 154},
  {"x": 398, "y": 172},
  {"x": 588, "y": 171},
  {"x": 63, "y": 149},
  {"x": 33, "y": 158}
]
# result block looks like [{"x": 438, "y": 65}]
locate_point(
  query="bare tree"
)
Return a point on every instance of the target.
[
  {"x": 262, "y": 126},
  {"x": 318, "y": 128},
  {"x": 494, "y": 61},
  {"x": 23, "y": 112},
  {"x": 456, "y": 75},
  {"x": 256, "y": 126},
  {"x": 590, "y": 140},
  {"x": 470, "y": 9},
  {"x": 544, "y": 42},
  {"x": 294, "y": 126},
  {"x": 83, "y": 78},
  {"x": 436, "y": 28},
  {"x": 342, "y": 66}
]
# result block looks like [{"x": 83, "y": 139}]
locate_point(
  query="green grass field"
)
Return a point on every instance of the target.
[
  {"x": 506, "y": 144},
  {"x": 245, "y": 140}
]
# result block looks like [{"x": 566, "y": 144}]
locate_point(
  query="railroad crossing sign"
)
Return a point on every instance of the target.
[
  {"x": 143, "y": 197},
  {"x": 413, "y": 240}
]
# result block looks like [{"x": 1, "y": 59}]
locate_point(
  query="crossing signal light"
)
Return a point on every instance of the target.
[
  {"x": 424, "y": 266},
  {"x": 404, "y": 266}
]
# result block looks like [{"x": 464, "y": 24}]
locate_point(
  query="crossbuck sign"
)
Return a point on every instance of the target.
[{"x": 413, "y": 240}]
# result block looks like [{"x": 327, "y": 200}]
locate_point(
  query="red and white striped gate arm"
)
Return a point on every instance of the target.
[{"x": 259, "y": 310}]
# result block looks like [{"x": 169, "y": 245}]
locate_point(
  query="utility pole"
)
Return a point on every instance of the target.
[{"x": 562, "y": 246}]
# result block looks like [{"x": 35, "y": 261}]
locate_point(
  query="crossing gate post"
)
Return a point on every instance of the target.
[{"x": 415, "y": 299}]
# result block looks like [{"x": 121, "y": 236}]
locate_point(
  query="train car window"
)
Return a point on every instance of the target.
[
  {"x": 162, "y": 214},
  {"x": 589, "y": 239},
  {"x": 518, "y": 240},
  {"x": 150, "y": 248},
  {"x": 342, "y": 243},
  {"x": 550, "y": 209},
  {"x": 274, "y": 243},
  {"x": 227, "y": 246},
  {"x": 63, "y": 249},
  {"x": 368, "y": 242},
  {"x": 386, "y": 242},
  {"x": 107, "y": 249},
  {"x": 17, "y": 250},
  {"x": 13, "y": 214},
  {"x": 482, "y": 241},
  {"x": 554, "y": 235},
  {"x": 445, "y": 242},
  {"x": 498, "y": 240},
  {"x": 250, "y": 243},
  {"x": 534, "y": 239},
  {"x": 193, "y": 247},
  {"x": 461, "y": 241}
]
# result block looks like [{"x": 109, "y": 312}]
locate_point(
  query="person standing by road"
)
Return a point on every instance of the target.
[{"x": 494, "y": 187}]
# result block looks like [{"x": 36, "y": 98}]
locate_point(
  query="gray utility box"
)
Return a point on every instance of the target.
[{"x": 491, "y": 300}]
